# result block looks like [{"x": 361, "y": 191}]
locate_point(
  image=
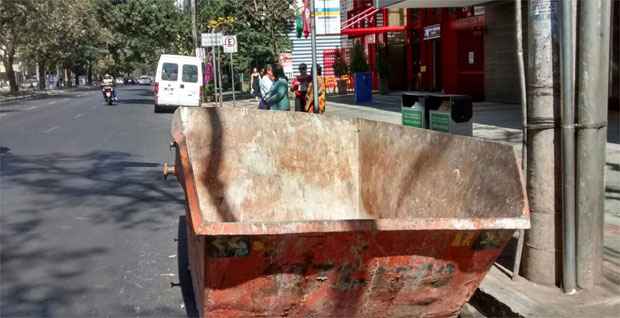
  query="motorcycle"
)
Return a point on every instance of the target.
[{"x": 108, "y": 94}]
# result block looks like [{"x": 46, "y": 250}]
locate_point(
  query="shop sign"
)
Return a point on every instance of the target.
[{"x": 432, "y": 32}]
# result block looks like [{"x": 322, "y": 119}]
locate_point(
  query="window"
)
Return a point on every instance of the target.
[
  {"x": 190, "y": 73},
  {"x": 170, "y": 72}
]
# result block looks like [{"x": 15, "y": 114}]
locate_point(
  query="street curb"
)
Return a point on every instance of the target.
[
  {"x": 17, "y": 98},
  {"x": 42, "y": 94}
]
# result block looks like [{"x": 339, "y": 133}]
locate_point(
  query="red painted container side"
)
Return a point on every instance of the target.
[{"x": 363, "y": 274}]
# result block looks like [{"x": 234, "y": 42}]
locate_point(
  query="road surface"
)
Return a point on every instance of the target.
[{"x": 88, "y": 227}]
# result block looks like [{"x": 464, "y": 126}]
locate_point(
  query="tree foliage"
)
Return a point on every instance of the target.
[
  {"x": 261, "y": 27},
  {"x": 142, "y": 30},
  {"x": 13, "y": 16},
  {"x": 359, "y": 62},
  {"x": 122, "y": 36}
]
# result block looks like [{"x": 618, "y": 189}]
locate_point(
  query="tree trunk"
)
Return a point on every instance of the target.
[
  {"x": 77, "y": 79},
  {"x": 67, "y": 79},
  {"x": 90, "y": 74},
  {"x": 10, "y": 73},
  {"x": 42, "y": 78}
]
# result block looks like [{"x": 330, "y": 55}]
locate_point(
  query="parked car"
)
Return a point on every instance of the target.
[
  {"x": 119, "y": 81},
  {"x": 178, "y": 82},
  {"x": 30, "y": 83},
  {"x": 144, "y": 80}
]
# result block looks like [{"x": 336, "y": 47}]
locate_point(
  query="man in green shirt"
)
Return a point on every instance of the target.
[{"x": 277, "y": 97}]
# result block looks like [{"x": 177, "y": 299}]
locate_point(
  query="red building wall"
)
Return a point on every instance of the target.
[
  {"x": 460, "y": 35},
  {"x": 453, "y": 63}
]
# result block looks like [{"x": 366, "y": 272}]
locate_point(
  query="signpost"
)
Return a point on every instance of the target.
[
  {"x": 213, "y": 40},
  {"x": 229, "y": 43}
]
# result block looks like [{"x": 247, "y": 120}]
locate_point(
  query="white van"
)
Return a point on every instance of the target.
[{"x": 178, "y": 81}]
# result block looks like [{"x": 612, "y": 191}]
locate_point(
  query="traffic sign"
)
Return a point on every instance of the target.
[
  {"x": 211, "y": 39},
  {"x": 229, "y": 42}
]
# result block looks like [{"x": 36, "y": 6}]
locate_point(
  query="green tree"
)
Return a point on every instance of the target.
[
  {"x": 359, "y": 62},
  {"x": 65, "y": 33},
  {"x": 141, "y": 31},
  {"x": 13, "y": 17},
  {"x": 261, "y": 27}
]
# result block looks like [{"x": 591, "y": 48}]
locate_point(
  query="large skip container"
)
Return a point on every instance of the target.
[{"x": 293, "y": 214}]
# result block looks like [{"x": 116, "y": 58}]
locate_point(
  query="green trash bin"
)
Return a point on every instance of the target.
[
  {"x": 450, "y": 113},
  {"x": 413, "y": 109}
]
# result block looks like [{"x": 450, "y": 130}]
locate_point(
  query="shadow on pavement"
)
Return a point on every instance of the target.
[
  {"x": 42, "y": 273},
  {"x": 141, "y": 101},
  {"x": 27, "y": 291},
  {"x": 128, "y": 189}
]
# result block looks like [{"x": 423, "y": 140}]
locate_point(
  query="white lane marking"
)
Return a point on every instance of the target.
[
  {"x": 52, "y": 102},
  {"x": 78, "y": 116},
  {"x": 2, "y": 115},
  {"x": 51, "y": 129},
  {"x": 32, "y": 107}
]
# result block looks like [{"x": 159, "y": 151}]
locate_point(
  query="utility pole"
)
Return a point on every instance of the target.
[
  {"x": 542, "y": 240},
  {"x": 219, "y": 76},
  {"x": 593, "y": 83},
  {"x": 523, "y": 90},
  {"x": 193, "y": 12},
  {"x": 567, "y": 61},
  {"x": 232, "y": 78},
  {"x": 315, "y": 80}
]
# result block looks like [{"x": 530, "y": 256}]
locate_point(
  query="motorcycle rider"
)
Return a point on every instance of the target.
[{"x": 108, "y": 81}]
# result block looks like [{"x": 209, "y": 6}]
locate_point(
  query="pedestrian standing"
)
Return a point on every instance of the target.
[
  {"x": 277, "y": 97},
  {"x": 265, "y": 85},
  {"x": 255, "y": 83},
  {"x": 321, "y": 94},
  {"x": 300, "y": 87}
]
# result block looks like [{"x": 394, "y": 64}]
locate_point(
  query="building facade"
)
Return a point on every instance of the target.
[
  {"x": 458, "y": 50},
  {"x": 434, "y": 49}
]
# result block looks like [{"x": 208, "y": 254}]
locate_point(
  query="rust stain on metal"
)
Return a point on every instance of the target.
[{"x": 297, "y": 215}]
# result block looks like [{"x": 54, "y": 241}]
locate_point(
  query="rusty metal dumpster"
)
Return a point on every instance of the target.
[{"x": 293, "y": 214}]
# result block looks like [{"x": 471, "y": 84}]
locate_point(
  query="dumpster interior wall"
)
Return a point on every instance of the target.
[{"x": 301, "y": 168}]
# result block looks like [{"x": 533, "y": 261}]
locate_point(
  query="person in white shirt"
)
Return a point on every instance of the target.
[{"x": 265, "y": 86}]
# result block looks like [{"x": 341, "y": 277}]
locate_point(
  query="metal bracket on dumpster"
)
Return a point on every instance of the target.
[{"x": 168, "y": 168}]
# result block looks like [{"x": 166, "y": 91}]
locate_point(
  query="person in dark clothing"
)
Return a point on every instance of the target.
[
  {"x": 254, "y": 82},
  {"x": 300, "y": 87}
]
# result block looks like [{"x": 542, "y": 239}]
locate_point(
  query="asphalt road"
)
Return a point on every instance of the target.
[{"x": 88, "y": 227}]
